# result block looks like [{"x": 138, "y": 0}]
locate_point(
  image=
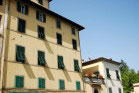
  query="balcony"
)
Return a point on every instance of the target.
[{"x": 93, "y": 80}]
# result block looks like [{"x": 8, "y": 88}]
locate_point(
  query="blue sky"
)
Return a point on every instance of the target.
[{"x": 112, "y": 27}]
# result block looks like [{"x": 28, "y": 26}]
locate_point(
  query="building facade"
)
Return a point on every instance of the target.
[
  {"x": 102, "y": 75},
  {"x": 136, "y": 88},
  {"x": 39, "y": 49}
]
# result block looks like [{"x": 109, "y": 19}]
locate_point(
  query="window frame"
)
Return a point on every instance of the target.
[
  {"x": 44, "y": 83},
  {"x": 58, "y": 24},
  {"x": 74, "y": 44},
  {"x": 24, "y": 53},
  {"x": 59, "y": 66},
  {"x": 108, "y": 73},
  {"x": 44, "y": 59},
  {"x": 41, "y": 32},
  {"x": 76, "y": 63},
  {"x": 21, "y": 28},
  {"x": 40, "y": 2},
  {"x": 1, "y": 3},
  {"x": 59, "y": 38},
  {"x": 117, "y": 75},
  {"x": 78, "y": 87},
  {"x": 21, "y": 6},
  {"x": 110, "y": 90},
  {"x": 61, "y": 87},
  {"x": 73, "y": 30}
]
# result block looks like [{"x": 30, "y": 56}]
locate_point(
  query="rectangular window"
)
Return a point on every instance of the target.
[
  {"x": 1, "y": 1},
  {"x": 20, "y": 54},
  {"x": 40, "y": 16},
  {"x": 61, "y": 84},
  {"x": 22, "y": 8},
  {"x": 21, "y": 25},
  {"x": 74, "y": 43},
  {"x": 60, "y": 62},
  {"x": 19, "y": 82},
  {"x": 41, "y": 58},
  {"x": 40, "y": 1},
  {"x": 73, "y": 31},
  {"x": 76, "y": 66},
  {"x": 41, "y": 83},
  {"x": 78, "y": 86},
  {"x": 0, "y": 19},
  {"x": 41, "y": 33},
  {"x": 110, "y": 90},
  {"x": 117, "y": 75},
  {"x": 59, "y": 39},
  {"x": 58, "y": 23},
  {"x": 120, "y": 91},
  {"x": 108, "y": 73}
]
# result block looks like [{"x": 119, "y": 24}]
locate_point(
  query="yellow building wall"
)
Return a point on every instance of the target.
[{"x": 31, "y": 71}]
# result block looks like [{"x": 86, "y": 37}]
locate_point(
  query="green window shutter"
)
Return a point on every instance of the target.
[
  {"x": 19, "y": 82},
  {"x": 78, "y": 86},
  {"x": 59, "y": 39},
  {"x": 41, "y": 58},
  {"x": 20, "y": 54},
  {"x": 76, "y": 66},
  {"x": 108, "y": 73},
  {"x": 74, "y": 43},
  {"x": 37, "y": 15},
  {"x": 41, "y": 33},
  {"x": 41, "y": 83},
  {"x": 21, "y": 25},
  {"x": 26, "y": 9},
  {"x": 117, "y": 75},
  {"x": 18, "y": 7},
  {"x": 60, "y": 62},
  {"x": 61, "y": 84}
]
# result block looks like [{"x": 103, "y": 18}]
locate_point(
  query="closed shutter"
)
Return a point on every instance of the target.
[
  {"x": 20, "y": 54},
  {"x": 41, "y": 83},
  {"x": 41, "y": 58},
  {"x": 19, "y": 82},
  {"x": 78, "y": 86},
  {"x": 61, "y": 84}
]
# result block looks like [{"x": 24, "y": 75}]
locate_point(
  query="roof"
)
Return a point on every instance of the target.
[
  {"x": 52, "y": 13},
  {"x": 136, "y": 85},
  {"x": 100, "y": 59}
]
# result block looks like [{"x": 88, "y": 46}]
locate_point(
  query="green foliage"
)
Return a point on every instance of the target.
[{"x": 129, "y": 77}]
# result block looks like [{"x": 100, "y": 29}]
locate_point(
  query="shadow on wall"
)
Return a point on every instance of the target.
[
  {"x": 48, "y": 47},
  {"x": 29, "y": 70},
  {"x": 67, "y": 75},
  {"x": 49, "y": 73}
]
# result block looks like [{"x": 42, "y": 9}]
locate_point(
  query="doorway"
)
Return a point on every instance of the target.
[{"x": 96, "y": 91}]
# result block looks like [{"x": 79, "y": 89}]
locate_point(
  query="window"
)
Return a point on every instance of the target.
[
  {"x": 22, "y": 8},
  {"x": 1, "y": 1},
  {"x": 58, "y": 23},
  {"x": 40, "y": 1},
  {"x": 60, "y": 62},
  {"x": 120, "y": 91},
  {"x": 108, "y": 73},
  {"x": 41, "y": 58},
  {"x": 73, "y": 30},
  {"x": 78, "y": 86},
  {"x": 117, "y": 75},
  {"x": 76, "y": 66},
  {"x": 21, "y": 25},
  {"x": 40, "y": 16},
  {"x": 41, "y": 83},
  {"x": 20, "y": 54},
  {"x": 41, "y": 33},
  {"x": 110, "y": 90},
  {"x": 19, "y": 82},
  {"x": 74, "y": 43},
  {"x": 61, "y": 84},
  {"x": 59, "y": 39}
]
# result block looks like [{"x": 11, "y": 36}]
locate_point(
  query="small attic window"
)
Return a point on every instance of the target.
[{"x": 40, "y": 2}]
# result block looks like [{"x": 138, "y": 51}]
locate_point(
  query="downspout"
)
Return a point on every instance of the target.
[{"x": 4, "y": 41}]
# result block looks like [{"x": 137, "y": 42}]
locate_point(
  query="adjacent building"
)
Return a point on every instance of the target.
[
  {"x": 136, "y": 88},
  {"x": 102, "y": 75},
  {"x": 39, "y": 49}
]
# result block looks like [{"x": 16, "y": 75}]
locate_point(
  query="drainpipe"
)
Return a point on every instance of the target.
[{"x": 4, "y": 25}]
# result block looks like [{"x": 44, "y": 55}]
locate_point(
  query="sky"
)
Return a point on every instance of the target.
[{"x": 111, "y": 27}]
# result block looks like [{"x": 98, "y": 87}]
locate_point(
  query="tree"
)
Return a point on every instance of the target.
[{"x": 129, "y": 77}]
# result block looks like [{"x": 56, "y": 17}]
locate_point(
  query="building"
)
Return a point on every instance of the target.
[
  {"x": 102, "y": 75},
  {"x": 40, "y": 49},
  {"x": 136, "y": 88}
]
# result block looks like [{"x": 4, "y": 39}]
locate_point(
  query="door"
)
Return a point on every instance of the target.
[{"x": 96, "y": 91}]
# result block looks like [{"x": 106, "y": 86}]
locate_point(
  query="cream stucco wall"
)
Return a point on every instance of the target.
[
  {"x": 31, "y": 71},
  {"x": 45, "y": 3}
]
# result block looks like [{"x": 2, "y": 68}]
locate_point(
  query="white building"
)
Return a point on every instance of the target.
[
  {"x": 136, "y": 88},
  {"x": 102, "y": 76}
]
